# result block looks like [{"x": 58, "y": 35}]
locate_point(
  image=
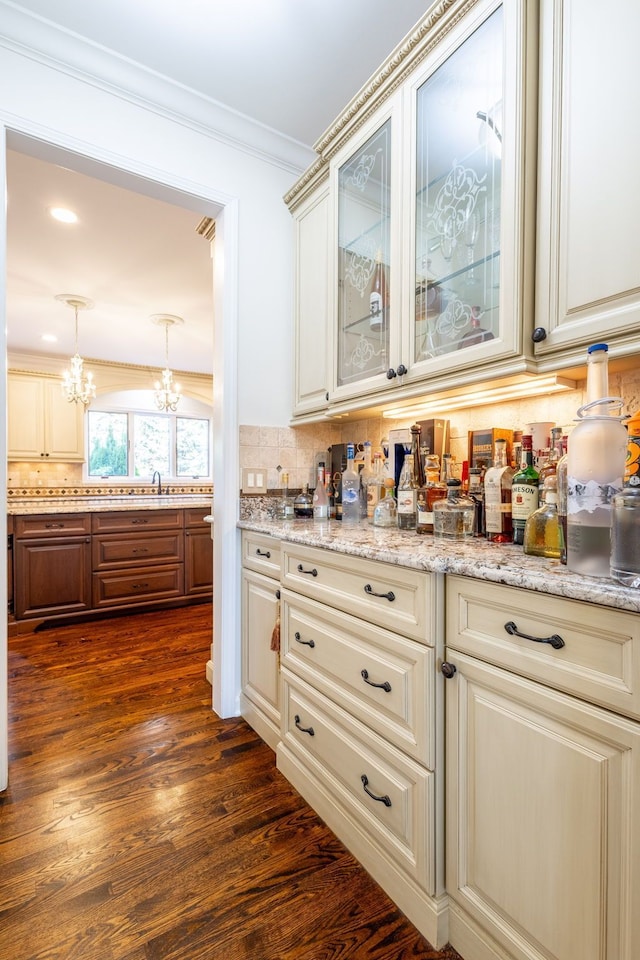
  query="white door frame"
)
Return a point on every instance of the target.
[{"x": 226, "y": 594}]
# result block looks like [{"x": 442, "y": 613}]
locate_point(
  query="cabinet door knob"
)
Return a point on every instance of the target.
[
  {"x": 448, "y": 670},
  {"x": 391, "y": 373},
  {"x": 401, "y": 370},
  {"x": 539, "y": 334}
]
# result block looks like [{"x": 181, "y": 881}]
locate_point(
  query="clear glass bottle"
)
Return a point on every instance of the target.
[
  {"x": 524, "y": 491},
  {"x": 453, "y": 517},
  {"x": 407, "y": 496},
  {"x": 350, "y": 489},
  {"x": 550, "y": 465},
  {"x": 303, "y": 504},
  {"x": 366, "y": 474},
  {"x": 320, "y": 496},
  {"x": 497, "y": 497},
  {"x": 284, "y": 507},
  {"x": 543, "y": 532},
  {"x": 476, "y": 495},
  {"x": 375, "y": 487},
  {"x": 385, "y": 512},
  {"x": 561, "y": 481},
  {"x": 625, "y": 535},
  {"x": 595, "y": 468}
]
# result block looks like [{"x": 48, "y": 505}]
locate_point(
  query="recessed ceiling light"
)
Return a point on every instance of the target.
[
  {"x": 49, "y": 338},
  {"x": 63, "y": 215}
]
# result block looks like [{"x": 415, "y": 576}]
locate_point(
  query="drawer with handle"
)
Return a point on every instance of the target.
[
  {"x": 261, "y": 553},
  {"x": 381, "y": 678},
  {"x": 131, "y": 550},
  {"x": 584, "y": 649},
  {"x": 395, "y": 597},
  {"x": 390, "y": 796}
]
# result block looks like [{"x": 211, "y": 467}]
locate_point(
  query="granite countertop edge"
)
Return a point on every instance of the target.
[
  {"x": 505, "y": 564},
  {"x": 95, "y": 504}
]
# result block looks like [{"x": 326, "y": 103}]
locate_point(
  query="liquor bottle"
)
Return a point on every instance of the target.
[
  {"x": 454, "y": 515},
  {"x": 378, "y": 297},
  {"x": 476, "y": 495},
  {"x": 595, "y": 468},
  {"x": 375, "y": 486},
  {"x": 543, "y": 532},
  {"x": 476, "y": 333},
  {"x": 350, "y": 489},
  {"x": 497, "y": 497},
  {"x": 550, "y": 465},
  {"x": 365, "y": 475},
  {"x": 561, "y": 481},
  {"x": 284, "y": 509},
  {"x": 524, "y": 491},
  {"x": 407, "y": 496},
  {"x": 303, "y": 504},
  {"x": 385, "y": 512},
  {"x": 320, "y": 497}
]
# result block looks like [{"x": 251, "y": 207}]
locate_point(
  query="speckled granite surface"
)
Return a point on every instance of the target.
[
  {"x": 472, "y": 558},
  {"x": 94, "y": 504}
]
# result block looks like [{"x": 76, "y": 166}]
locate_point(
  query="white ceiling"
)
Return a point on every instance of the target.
[{"x": 291, "y": 65}]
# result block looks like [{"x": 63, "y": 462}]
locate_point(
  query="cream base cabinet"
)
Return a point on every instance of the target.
[
  {"x": 361, "y": 728},
  {"x": 42, "y": 425},
  {"x": 587, "y": 287},
  {"x": 543, "y": 788},
  {"x": 260, "y": 694}
]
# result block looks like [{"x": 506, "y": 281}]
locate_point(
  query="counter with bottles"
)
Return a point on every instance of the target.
[{"x": 473, "y": 557}]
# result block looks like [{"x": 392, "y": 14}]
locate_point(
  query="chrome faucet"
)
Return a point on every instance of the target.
[{"x": 156, "y": 473}]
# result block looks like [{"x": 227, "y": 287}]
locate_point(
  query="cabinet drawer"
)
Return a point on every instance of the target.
[
  {"x": 194, "y": 516},
  {"x": 53, "y": 525},
  {"x": 261, "y": 553},
  {"x": 395, "y": 597},
  {"x": 339, "y": 753},
  {"x": 153, "y": 583},
  {"x": 600, "y": 659},
  {"x": 332, "y": 650},
  {"x": 131, "y": 550},
  {"x": 137, "y": 520}
]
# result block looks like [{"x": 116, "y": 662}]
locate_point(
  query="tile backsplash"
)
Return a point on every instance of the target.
[{"x": 298, "y": 449}]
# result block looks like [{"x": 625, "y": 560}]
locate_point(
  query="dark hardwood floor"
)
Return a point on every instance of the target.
[{"x": 139, "y": 826}]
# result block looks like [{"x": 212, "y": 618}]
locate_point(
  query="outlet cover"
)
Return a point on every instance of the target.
[{"x": 254, "y": 480}]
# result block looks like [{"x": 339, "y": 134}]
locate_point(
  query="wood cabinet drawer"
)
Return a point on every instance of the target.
[
  {"x": 52, "y": 525},
  {"x": 132, "y": 550},
  {"x": 261, "y": 553},
  {"x": 600, "y": 659},
  {"x": 349, "y": 761},
  {"x": 154, "y": 583},
  {"x": 395, "y": 597},
  {"x": 194, "y": 516},
  {"x": 137, "y": 520},
  {"x": 384, "y": 680}
]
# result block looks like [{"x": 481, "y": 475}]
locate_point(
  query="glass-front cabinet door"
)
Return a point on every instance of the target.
[
  {"x": 468, "y": 198},
  {"x": 367, "y": 279}
]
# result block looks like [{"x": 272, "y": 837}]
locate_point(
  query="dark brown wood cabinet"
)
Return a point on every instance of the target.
[{"x": 67, "y": 564}]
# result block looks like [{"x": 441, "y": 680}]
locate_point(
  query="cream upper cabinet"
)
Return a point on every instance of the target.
[
  {"x": 311, "y": 331},
  {"x": 42, "y": 425},
  {"x": 588, "y": 265}
]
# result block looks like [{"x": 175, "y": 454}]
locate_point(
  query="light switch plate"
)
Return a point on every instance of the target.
[{"x": 254, "y": 480}]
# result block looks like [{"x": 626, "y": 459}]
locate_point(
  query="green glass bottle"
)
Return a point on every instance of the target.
[{"x": 524, "y": 491}]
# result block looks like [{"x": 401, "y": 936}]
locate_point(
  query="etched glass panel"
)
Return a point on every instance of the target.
[
  {"x": 458, "y": 179},
  {"x": 364, "y": 188}
]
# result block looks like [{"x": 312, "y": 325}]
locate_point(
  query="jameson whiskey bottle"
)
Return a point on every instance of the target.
[
  {"x": 497, "y": 497},
  {"x": 524, "y": 491}
]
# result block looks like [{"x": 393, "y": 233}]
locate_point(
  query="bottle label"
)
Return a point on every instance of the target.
[
  {"x": 590, "y": 496},
  {"x": 406, "y": 501},
  {"x": 524, "y": 500}
]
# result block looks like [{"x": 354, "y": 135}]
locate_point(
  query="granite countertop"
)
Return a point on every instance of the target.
[
  {"x": 30, "y": 506},
  {"x": 476, "y": 557}
]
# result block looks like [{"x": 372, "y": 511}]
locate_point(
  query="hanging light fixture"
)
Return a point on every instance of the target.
[
  {"x": 77, "y": 386},
  {"x": 167, "y": 393}
]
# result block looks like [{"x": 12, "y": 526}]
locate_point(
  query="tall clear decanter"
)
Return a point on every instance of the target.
[{"x": 595, "y": 468}]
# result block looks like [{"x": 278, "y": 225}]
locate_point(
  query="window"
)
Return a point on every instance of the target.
[{"x": 137, "y": 444}]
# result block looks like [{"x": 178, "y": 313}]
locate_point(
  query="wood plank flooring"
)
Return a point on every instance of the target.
[{"x": 139, "y": 826}]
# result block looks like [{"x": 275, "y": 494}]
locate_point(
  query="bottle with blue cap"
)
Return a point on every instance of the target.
[
  {"x": 350, "y": 489},
  {"x": 595, "y": 468}
]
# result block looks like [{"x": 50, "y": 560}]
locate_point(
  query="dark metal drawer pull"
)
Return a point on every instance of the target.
[
  {"x": 140, "y": 520},
  {"x": 263, "y": 553},
  {"x": 390, "y": 596},
  {"x": 54, "y": 526},
  {"x": 312, "y": 573},
  {"x": 386, "y": 686},
  {"x": 308, "y": 730},
  {"x": 306, "y": 643},
  {"x": 386, "y": 799},
  {"x": 139, "y": 586},
  {"x": 140, "y": 550},
  {"x": 555, "y": 640}
]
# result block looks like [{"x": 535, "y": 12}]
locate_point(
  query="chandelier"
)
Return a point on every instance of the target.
[
  {"x": 167, "y": 393},
  {"x": 77, "y": 386}
]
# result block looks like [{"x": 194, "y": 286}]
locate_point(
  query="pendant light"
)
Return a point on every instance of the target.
[
  {"x": 77, "y": 386},
  {"x": 167, "y": 393}
]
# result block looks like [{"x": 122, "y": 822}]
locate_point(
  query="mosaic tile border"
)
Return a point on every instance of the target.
[{"x": 43, "y": 493}]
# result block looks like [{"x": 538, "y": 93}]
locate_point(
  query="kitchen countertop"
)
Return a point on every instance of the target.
[
  {"x": 27, "y": 506},
  {"x": 476, "y": 557}
]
